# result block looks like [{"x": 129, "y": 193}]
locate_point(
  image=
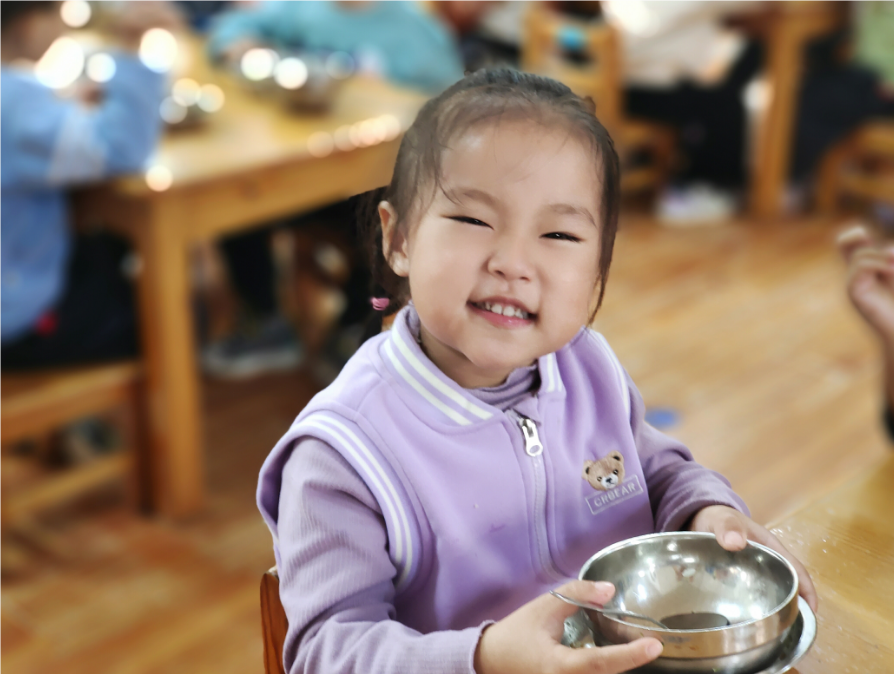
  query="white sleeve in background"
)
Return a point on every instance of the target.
[
  {"x": 657, "y": 18},
  {"x": 665, "y": 43}
]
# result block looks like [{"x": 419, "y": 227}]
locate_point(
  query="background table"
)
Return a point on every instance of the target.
[
  {"x": 846, "y": 540},
  {"x": 249, "y": 164}
]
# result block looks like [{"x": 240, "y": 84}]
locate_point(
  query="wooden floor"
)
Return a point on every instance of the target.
[{"x": 744, "y": 331}]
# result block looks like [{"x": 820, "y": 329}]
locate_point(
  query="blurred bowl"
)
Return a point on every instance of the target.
[
  {"x": 253, "y": 70},
  {"x": 190, "y": 104},
  {"x": 305, "y": 84},
  {"x": 689, "y": 582}
]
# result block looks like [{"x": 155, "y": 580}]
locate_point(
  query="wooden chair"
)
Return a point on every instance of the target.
[
  {"x": 33, "y": 405},
  {"x": 274, "y": 623},
  {"x": 861, "y": 166},
  {"x": 547, "y": 35}
]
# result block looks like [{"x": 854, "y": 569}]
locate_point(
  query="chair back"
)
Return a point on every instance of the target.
[
  {"x": 36, "y": 404},
  {"x": 274, "y": 623},
  {"x": 547, "y": 40}
]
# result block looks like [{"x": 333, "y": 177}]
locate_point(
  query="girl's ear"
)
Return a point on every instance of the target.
[{"x": 394, "y": 244}]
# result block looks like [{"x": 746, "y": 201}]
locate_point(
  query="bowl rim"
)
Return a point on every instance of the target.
[{"x": 631, "y": 542}]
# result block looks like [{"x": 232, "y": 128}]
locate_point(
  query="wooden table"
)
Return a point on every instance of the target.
[
  {"x": 846, "y": 540},
  {"x": 787, "y": 27},
  {"x": 253, "y": 161}
]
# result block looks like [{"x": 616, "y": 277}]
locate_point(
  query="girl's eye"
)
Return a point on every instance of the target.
[
  {"x": 470, "y": 221},
  {"x": 562, "y": 236}
]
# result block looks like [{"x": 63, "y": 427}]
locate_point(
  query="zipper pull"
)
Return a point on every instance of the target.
[{"x": 532, "y": 439}]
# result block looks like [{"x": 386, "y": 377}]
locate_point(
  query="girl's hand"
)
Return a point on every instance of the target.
[
  {"x": 733, "y": 530},
  {"x": 870, "y": 279},
  {"x": 529, "y": 640}
]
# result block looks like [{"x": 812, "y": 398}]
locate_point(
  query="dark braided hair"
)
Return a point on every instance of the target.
[
  {"x": 10, "y": 12},
  {"x": 489, "y": 94}
]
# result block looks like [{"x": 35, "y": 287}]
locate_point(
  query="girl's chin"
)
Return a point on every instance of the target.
[{"x": 502, "y": 368}]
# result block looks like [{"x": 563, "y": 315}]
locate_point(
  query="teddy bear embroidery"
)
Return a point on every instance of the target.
[{"x": 606, "y": 473}]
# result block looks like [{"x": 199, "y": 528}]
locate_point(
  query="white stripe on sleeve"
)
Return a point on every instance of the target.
[{"x": 372, "y": 471}]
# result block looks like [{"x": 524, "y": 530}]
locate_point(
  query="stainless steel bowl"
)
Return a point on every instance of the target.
[
  {"x": 318, "y": 90},
  {"x": 666, "y": 576}
]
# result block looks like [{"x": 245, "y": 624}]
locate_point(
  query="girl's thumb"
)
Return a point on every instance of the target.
[
  {"x": 584, "y": 591},
  {"x": 730, "y": 535}
]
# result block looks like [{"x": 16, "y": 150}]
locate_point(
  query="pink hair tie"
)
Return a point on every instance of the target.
[{"x": 379, "y": 303}]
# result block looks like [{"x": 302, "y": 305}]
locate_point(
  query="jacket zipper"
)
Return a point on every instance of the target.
[{"x": 534, "y": 449}]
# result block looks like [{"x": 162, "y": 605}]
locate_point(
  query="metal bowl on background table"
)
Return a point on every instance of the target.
[
  {"x": 301, "y": 81},
  {"x": 310, "y": 82},
  {"x": 727, "y": 612}
]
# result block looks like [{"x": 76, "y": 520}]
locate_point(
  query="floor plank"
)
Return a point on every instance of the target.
[{"x": 743, "y": 330}]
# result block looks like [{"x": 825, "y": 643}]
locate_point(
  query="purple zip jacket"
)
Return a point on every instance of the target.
[{"x": 408, "y": 512}]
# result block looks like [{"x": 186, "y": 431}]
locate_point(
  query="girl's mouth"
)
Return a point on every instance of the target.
[{"x": 504, "y": 315}]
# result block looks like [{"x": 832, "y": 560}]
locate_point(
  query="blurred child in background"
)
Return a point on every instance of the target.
[
  {"x": 683, "y": 67},
  {"x": 839, "y": 94},
  {"x": 65, "y": 299},
  {"x": 399, "y": 40},
  {"x": 870, "y": 286}
]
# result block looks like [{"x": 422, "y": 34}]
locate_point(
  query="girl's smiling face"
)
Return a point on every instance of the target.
[{"x": 503, "y": 264}]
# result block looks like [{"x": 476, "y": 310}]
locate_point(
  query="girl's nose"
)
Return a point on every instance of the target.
[{"x": 510, "y": 260}]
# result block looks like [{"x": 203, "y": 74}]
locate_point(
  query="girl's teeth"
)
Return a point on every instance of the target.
[{"x": 508, "y": 310}]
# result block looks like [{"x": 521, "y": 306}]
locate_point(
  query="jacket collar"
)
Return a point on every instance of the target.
[{"x": 440, "y": 397}]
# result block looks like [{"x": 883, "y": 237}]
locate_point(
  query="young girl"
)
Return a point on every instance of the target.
[{"x": 477, "y": 454}]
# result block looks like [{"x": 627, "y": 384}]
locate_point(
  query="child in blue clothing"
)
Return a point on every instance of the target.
[
  {"x": 66, "y": 300},
  {"x": 410, "y": 47},
  {"x": 404, "y": 45}
]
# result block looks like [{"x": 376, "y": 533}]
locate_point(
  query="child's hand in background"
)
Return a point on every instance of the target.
[
  {"x": 529, "y": 640},
  {"x": 133, "y": 19},
  {"x": 870, "y": 279},
  {"x": 733, "y": 530}
]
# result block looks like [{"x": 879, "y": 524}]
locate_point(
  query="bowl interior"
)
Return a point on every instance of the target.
[{"x": 671, "y": 575}]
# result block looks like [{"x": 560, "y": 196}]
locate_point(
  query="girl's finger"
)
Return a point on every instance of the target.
[
  {"x": 869, "y": 268},
  {"x": 806, "y": 587},
  {"x": 726, "y": 524},
  {"x": 611, "y": 659},
  {"x": 877, "y": 254},
  {"x": 853, "y": 238},
  {"x": 594, "y": 592},
  {"x": 731, "y": 534},
  {"x": 868, "y": 265}
]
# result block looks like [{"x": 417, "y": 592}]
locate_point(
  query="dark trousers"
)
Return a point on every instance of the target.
[
  {"x": 710, "y": 121},
  {"x": 249, "y": 259},
  {"x": 834, "y": 101},
  {"x": 94, "y": 321}
]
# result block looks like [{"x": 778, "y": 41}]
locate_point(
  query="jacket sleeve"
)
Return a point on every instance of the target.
[
  {"x": 60, "y": 142},
  {"x": 678, "y": 486},
  {"x": 337, "y": 579}
]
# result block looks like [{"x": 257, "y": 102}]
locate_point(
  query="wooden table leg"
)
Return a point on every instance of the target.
[
  {"x": 173, "y": 419},
  {"x": 790, "y": 30},
  {"x": 784, "y": 61}
]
